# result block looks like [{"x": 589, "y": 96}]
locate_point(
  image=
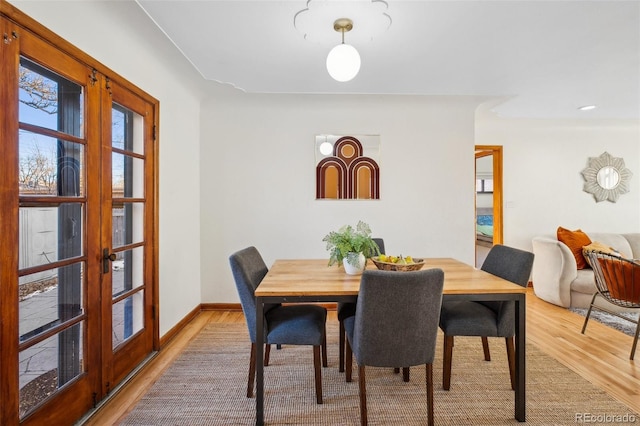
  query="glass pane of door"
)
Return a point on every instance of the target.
[
  {"x": 127, "y": 221},
  {"x": 52, "y": 254}
]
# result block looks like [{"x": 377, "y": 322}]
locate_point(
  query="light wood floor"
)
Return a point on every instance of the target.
[{"x": 601, "y": 355}]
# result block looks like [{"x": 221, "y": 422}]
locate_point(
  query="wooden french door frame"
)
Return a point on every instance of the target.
[
  {"x": 9, "y": 326},
  {"x": 78, "y": 319},
  {"x": 21, "y": 36},
  {"x": 117, "y": 361},
  {"x": 496, "y": 152}
]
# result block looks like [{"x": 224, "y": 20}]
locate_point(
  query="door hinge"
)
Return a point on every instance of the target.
[
  {"x": 95, "y": 399},
  {"x": 155, "y": 128},
  {"x": 153, "y": 313},
  {"x": 93, "y": 77},
  {"x": 107, "y": 85},
  {"x": 8, "y": 39}
]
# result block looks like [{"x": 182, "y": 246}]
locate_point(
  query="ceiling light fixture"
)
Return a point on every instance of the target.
[
  {"x": 343, "y": 61},
  {"x": 587, "y": 107}
]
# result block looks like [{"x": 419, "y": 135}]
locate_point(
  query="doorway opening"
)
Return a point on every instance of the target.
[{"x": 488, "y": 200}]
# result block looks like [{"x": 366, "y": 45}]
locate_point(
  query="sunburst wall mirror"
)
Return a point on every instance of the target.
[{"x": 606, "y": 177}]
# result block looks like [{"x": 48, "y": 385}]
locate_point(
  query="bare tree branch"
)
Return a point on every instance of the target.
[
  {"x": 43, "y": 93},
  {"x": 38, "y": 172}
]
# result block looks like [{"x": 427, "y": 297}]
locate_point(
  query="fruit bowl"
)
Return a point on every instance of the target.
[{"x": 390, "y": 266}]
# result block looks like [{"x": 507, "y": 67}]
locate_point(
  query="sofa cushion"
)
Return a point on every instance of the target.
[
  {"x": 617, "y": 241},
  {"x": 585, "y": 282},
  {"x": 634, "y": 244},
  {"x": 575, "y": 240}
]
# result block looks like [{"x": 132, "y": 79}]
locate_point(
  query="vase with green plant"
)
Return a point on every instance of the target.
[{"x": 351, "y": 247}]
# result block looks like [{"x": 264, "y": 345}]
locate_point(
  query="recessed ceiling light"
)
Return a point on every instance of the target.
[{"x": 587, "y": 107}]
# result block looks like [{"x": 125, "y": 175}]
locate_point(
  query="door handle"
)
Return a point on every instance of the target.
[{"x": 106, "y": 259}]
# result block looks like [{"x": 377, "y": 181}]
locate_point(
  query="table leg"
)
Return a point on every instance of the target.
[
  {"x": 520, "y": 403},
  {"x": 259, "y": 362}
]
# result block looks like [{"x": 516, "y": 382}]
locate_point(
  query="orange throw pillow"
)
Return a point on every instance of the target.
[{"x": 575, "y": 240}]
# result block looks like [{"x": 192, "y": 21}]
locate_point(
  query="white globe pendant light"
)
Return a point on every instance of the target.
[{"x": 343, "y": 61}]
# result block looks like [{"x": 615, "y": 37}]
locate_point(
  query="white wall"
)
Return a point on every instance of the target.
[
  {"x": 542, "y": 180},
  {"x": 121, "y": 36},
  {"x": 258, "y": 181},
  {"x": 254, "y": 157}
]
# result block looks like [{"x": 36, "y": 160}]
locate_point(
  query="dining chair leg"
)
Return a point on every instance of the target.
[
  {"x": 429, "y": 380},
  {"x": 363, "y": 396},
  {"x": 446, "y": 368},
  {"x": 405, "y": 374},
  {"x": 324, "y": 349},
  {"x": 349, "y": 361},
  {"x": 342, "y": 338},
  {"x": 485, "y": 348},
  {"x": 511, "y": 358},
  {"x": 318, "y": 373},
  {"x": 252, "y": 371},
  {"x": 267, "y": 354}
]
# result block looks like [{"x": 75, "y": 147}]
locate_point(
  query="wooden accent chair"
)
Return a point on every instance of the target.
[
  {"x": 493, "y": 319},
  {"x": 289, "y": 324},
  {"x": 396, "y": 323},
  {"x": 345, "y": 310},
  {"x": 617, "y": 282}
]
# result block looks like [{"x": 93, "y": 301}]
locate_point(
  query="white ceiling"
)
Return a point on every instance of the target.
[{"x": 545, "y": 58}]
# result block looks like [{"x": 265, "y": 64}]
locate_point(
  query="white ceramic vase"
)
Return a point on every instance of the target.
[{"x": 355, "y": 270}]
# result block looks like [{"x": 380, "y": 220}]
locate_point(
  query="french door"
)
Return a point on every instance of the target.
[
  {"x": 78, "y": 286},
  {"x": 127, "y": 233}
]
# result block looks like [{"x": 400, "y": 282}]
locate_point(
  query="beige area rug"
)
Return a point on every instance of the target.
[{"x": 207, "y": 386}]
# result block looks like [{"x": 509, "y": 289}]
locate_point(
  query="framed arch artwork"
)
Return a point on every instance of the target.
[{"x": 347, "y": 167}]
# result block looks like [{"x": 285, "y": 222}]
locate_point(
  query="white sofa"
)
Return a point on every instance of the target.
[{"x": 556, "y": 277}]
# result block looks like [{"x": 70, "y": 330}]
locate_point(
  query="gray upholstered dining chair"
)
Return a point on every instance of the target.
[
  {"x": 487, "y": 319},
  {"x": 396, "y": 324},
  {"x": 345, "y": 310},
  {"x": 289, "y": 324}
]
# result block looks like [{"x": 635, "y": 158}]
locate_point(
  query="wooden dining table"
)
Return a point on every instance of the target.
[{"x": 312, "y": 280}]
